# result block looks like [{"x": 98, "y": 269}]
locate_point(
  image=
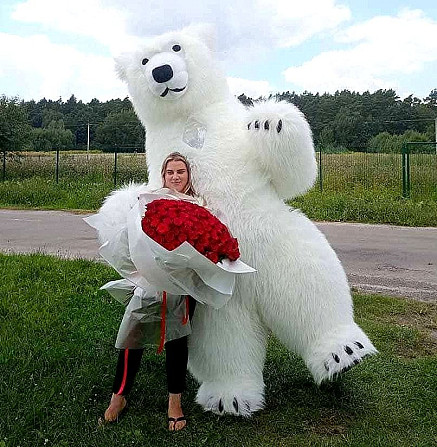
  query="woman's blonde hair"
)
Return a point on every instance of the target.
[{"x": 176, "y": 156}]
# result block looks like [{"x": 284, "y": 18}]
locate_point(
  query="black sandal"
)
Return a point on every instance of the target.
[{"x": 174, "y": 420}]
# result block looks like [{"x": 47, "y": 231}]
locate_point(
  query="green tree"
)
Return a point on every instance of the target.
[
  {"x": 121, "y": 131},
  {"x": 431, "y": 99},
  {"x": 326, "y": 138},
  {"x": 14, "y": 127},
  {"x": 53, "y": 137},
  {"x": 348, "y": 128},
  {"x": 344, "y": 119},
  {"x": 51, "y": 115}
]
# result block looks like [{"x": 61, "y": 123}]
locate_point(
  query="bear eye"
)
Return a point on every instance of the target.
[
  {"x": 176, "y": 48},
  {"x": 144, "y": 61}
]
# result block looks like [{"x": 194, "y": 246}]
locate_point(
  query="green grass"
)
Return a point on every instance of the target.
[
  {"x": 42, "y": 193},
  {"x": 368, "y": 206},
  {"x": 57, "y": 362}
]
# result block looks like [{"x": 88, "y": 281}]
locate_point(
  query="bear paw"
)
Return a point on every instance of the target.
[
  {"x": 239, "y": 397},
  {"x": 277, "y": 118},
  {"x": 338, "y": 353}
]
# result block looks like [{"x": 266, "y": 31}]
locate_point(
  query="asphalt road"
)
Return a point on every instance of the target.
[{"x": 400, "y": 261}]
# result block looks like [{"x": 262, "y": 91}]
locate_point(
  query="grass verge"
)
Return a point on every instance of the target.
[
  {"x": 57, "y": 362},
  {"x": 42, "y": 193},
  {"x": 367, "y": 206}
]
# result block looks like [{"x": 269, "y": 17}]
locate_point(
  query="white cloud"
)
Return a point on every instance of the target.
[
  {"x": 247, "y": 30},
  {"x": 33, "y": 68},
  {"x": 43, "y": 69},
  {"x": 293, "y": 22},
  {"x": 90, "y": 18},
  {"x": 382, "y": 49},
  {"x": 253, "y": 89},
  {"x": 242, "y": 25}
]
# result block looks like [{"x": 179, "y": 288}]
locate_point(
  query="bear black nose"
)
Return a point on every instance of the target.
[{"x": 162, "y": 74}]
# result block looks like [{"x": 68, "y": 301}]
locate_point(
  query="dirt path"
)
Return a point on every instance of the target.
[{"x": 386, "y": 259}]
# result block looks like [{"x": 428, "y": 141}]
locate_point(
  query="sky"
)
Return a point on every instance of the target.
[{"x": 56, "y": 48}]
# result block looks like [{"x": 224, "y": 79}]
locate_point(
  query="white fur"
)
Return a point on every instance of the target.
[
  {"x": 116, "y": 207},
  {"x": 300, "y": 290}
]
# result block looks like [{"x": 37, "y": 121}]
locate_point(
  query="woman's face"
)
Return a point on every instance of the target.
[{"x": 176, "y": 176}]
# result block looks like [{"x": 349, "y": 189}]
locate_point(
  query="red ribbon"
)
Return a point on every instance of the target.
[
  {"x": 187, "y": 311},
  {"x": 163, "y": 313}
]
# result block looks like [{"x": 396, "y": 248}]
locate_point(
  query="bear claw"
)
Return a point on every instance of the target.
[
  {"x": 235, "y": 404},
  {"x": 348, "y": 350},
  {"x": 343, "y": 361},
  {"x": 220, "y": 406},
  {"x": 279, "y": 126}
]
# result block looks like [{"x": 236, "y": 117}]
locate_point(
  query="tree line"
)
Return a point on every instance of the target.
[{"x": 345, "y": 120}]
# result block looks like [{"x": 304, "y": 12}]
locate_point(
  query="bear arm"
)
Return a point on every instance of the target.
[
  {"x": 116, "y": 207},
  {"x": 282, "y": 141}
]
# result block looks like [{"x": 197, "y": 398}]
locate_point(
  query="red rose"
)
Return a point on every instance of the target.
[{"x": 172, "y": 222}]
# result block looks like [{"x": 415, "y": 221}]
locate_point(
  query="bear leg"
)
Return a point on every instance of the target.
[{"x": 226, "y": 355}]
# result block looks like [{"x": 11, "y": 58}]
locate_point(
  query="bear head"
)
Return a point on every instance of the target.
[{"x": 173, "y": 75}]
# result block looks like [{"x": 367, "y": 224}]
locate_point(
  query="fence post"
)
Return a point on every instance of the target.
[
  {"x": 4, "y": 166},
  {"x": 320, "y": 170},
  {"x": 408, "y": 170},
  {"x": 57, "y": 166},
  {"x": 405, "y": 171},
  {"x": 115, "y": 168}
]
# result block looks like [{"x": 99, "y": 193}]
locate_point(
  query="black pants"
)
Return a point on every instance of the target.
[{"x": 176, "y": 359}]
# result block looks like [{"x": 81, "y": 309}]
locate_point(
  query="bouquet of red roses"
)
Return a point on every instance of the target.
[
  {"x": 172, "y": 245},
  {"x": 172, "y": 222}
]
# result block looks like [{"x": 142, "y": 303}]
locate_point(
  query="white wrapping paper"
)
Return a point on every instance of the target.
[{"x": 148, "y": 265}]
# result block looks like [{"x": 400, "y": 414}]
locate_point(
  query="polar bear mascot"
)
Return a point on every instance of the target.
[{"x": 244, "y": 164}]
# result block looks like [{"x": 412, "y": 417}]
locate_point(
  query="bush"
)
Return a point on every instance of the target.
[{"x": 387, "y": 143}]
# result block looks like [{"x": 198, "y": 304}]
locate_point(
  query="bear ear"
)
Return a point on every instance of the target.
[
  {"x": 205, "y": 32},
  {"x": 121, "y": 64}
]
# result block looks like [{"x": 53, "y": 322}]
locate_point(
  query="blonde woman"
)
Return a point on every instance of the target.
[{"x": 176, "y": 177}]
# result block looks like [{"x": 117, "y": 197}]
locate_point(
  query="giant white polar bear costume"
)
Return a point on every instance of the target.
[{"x": 249, "y": 162}]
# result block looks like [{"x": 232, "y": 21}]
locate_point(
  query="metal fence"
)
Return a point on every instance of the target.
[
  {"x": 411, "y": 173},
  {"x": 115, "y": 167},
  {"x": 419, "y": 169}
]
